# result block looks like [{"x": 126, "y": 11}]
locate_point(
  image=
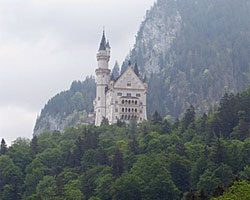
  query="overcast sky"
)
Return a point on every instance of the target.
[{"x": 46, "y": 44}]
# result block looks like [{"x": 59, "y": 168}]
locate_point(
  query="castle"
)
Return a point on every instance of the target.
[{"x": 121, "y": 99}]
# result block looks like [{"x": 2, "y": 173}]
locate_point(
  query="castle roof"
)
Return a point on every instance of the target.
[
  {"x": 103, "y": 42},
  {"x": 107, "y": 45},
  {"x": 130, "y": 75}
]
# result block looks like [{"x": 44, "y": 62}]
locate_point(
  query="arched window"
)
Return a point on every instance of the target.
[
  {"x": 132, "y": 109},
  {"x": 122, "y": 116},
  {"x": 135, "y": 109},
  {"x": 126, "y": 110},
  {"x": 129, "y": 117},
  {"x": 122, "y": 101},
  {"x": 122, "y": 109},
  {"x": 135, "y": 102},
  {"x": 129, "y": 102},
  {"x": 129, "y": 110},
  {"x": 125, "y": 117},
  {"x": 126, "y": 101}
]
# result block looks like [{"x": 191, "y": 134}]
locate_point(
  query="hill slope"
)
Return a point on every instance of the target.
[
  {"x": 68, "y": 108},
  {"x": 193, "y": 51}
]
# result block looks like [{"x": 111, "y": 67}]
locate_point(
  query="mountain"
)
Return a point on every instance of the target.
[
  {"x": 193, "y": 52},
  {"x": 68, "y": 108}
]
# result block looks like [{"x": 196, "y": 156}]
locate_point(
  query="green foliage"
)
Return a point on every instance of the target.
[
  {"x": 3, "y": 147},
  {"x": 239, "y": 190},
  {"x": 152, "y": 160}
]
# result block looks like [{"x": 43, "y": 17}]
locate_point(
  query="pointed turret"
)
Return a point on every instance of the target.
[
  {"x": 102, "y": 80},
  {"x": 103, "y": 43},
  {"x": 108, "y": 45}
]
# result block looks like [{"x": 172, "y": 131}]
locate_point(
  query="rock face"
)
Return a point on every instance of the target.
[{"x": 193, "y": 52}]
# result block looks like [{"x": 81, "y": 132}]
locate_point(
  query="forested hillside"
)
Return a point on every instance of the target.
[
  {"x": 193, "y": 158},
  {"x": 193, "y": 52},
  {"x": 68, "y": 108}
]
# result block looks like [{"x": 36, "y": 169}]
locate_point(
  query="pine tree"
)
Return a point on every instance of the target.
[
  {"x": 3, "y": 148},
  {"x": 242, "y": 130},
  {"x": 115, "y": 71},
  {"x": 136, "y": 70},
  {"x": 118, "y": 165},
  {"x": 188, "y": 118},
  {"x": 34, "y": 145},
  {"x": 156, "y": 118},
  {"x": 133, "y": 144}
]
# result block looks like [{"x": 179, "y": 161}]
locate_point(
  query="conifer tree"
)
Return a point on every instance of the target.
[
  {"x": 133, "y": 144},
  {"x": 136, "y": 70},
  {"x": 34, "y": 145},
  {"x": 188, "y": 118},
  {"x": 3, "y": 148},
  {"x": 118, "y": 164},
  {"x": 115, "y": 71},
  {"x": 156, "y": 118}
]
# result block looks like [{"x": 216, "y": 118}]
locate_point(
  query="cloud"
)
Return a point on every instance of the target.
[
  {"x": 46, "y": 44},
  {"x": 16, "y": 122}
]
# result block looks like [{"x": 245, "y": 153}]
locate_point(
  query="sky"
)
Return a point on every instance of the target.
[{"x": 46, "y": 44}]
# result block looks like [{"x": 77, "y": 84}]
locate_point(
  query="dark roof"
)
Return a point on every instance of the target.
[
  {"x": 107, "y": 45},
  {"x": 103, "y": 42}
]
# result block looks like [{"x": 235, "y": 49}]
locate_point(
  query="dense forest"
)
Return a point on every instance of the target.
[{"x": 195, "y": 157}]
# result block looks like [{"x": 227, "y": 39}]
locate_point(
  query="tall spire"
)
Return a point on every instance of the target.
[{"x": 103, "y": 42}]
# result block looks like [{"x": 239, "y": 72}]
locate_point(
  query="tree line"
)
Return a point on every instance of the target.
[{"x": 194, "y": 157}]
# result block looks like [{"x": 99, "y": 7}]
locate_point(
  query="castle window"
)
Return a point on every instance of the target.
[
  {"x": 122, "y": 101},
  {"x": 116, "y": 102},
  {"x": 126, "y": 110},
  {"x": 132, "y": 109},
  {"x": 129, "y": 94},
  {"x": 135, "y": 102},
  {"x": 125, "y": 117},
  {"x": 119, "y": 94},
  {"x": 122, "y": 116},
  {"x": 135, "y": 110},
  {"x": 129, "y": 101},
  {"x": 129, "y": 84},
  {"x": 129, "y": 110},
  {"x": 132, "y": 101},
  {"x": 138, "y": 95},
  {"x": 122, "y": 109},
  {"x": 116, "y": 110}
]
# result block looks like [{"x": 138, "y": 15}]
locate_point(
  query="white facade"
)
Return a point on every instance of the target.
[{"x": 123, "y": 98}]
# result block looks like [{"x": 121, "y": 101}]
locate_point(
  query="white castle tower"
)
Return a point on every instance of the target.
[
  {"x": 123, "y": 98},
  {"x": 102, "y": 80}
]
